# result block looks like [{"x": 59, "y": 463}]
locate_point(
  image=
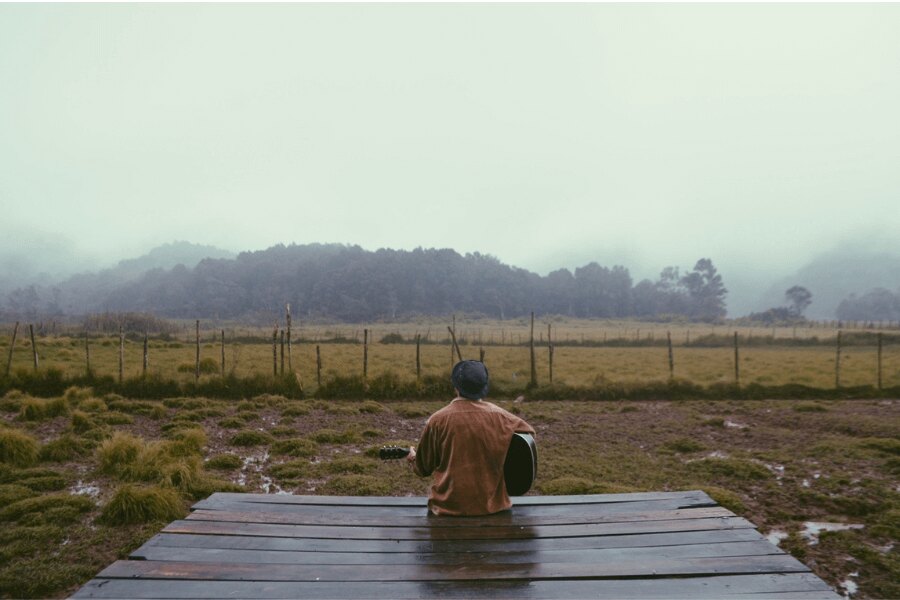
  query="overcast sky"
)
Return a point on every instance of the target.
[{"x": 547, "y": 135}]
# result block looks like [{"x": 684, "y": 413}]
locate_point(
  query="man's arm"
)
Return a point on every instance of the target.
[{"x": 424, "y": 459}]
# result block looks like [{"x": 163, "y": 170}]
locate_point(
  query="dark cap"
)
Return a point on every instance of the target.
[{"x": 470, "y": 377}]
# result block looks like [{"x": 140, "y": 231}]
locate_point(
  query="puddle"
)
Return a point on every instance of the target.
[
  {"x": 717, "y": 454},
  {"x": 735, "y": 425},
  {"x": 849, "y": 585},
  {"x": 775, "y": 536},
  {"x": 812, "y": 529},
  {"x": 84, "y": 489},
  {"x": 805, "y": 483},
  {"x": 778, "y": 470}
]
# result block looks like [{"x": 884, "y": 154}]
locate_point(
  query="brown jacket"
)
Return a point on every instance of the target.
[{"x": 464, "y": 445}]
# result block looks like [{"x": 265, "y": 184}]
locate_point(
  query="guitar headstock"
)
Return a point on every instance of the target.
[{"x": 392, "y": 452}]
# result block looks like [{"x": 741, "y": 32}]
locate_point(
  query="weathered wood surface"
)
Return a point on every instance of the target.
[{"x": 648, "y": 545}]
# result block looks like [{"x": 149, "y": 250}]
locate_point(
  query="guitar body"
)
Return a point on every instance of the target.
[{"x": 519, "y": 470}]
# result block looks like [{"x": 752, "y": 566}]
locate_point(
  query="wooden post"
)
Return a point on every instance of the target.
[
  {"x": 533, "y": 381},
  {"x": 197, "y": 353},
  {"x": 87, "y": 355},
  {"x": 481, "y": 354},
  {"x": 275, "y": 350},
  {"x": 671, "y": 356},
  {"x": 737, "y": 362},
  {"x": 223, "y": 353},
  {"x": 879, "y": 360},
  {"x": 454, "y": 345},
  {"x": 121, "y": 354},
  {"x": 837, "y": 362},
  {"x": 418, "y": 361},
  {"x": 146, "y": 357},
  {"x": 282, "y": 351},
  {"x": 318, "y": 367},
  {"x": 365, "y": 354},
  {"x": 34, "y": 353},
  {"x": 550, "y": 351},
  {"x": 12, "y": 346},
  {"x": 288, "y": 317}
]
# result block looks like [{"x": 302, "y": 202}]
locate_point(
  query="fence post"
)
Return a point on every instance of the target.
[
  {"x": 87, "y": 355},
  {"x": 737, "y": 368},
  {"x": 146, "y": 357},
  {"x": 197, "y": 352},
  {"x": 550, "y": 351},
  {"x": 121, "y": 354},
  {"x": 318, "y": 367},
  {"x": 533, "y": 382},
  {"x": 671, "y": 357},
  {"x": 288, "y": 317},
  {"x": 837, "y": 362},
  {"x": 454, "y": 345},
  {"x": 34, "y": 354},
  {"x": 879, "y": 360},
  {"x": 365, "y": 354},
  {"x": 223, "y": 353},
  {"x": 282, "y": 351},
  {"x": 275, "y": 350},
  {"x": 418, "y": 361},
  {"x": 481, "y": 354},
  {"x": 11, "y": 347}
]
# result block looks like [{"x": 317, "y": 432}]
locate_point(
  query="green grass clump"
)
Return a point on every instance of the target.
[
  {"x": 65, "y": 447},
  {"x": 371, "y": 407},
  {"x": 12, "y": 492},
  {"x": 411, "y": 411},
  {"x": 116, "y": 418},
  {"x": 291, "y": 470},
  {"x": 735, "y": 468},
  {"x": 247, "y": 415},
  {"x": 12, "y": 401},
  {"x": 330, "y": 436},
  {"x": 117, "y": 455},
  {"x": 247, "y": 405},
  {"x": 885, "y": 445},
  {"x": 82, "y": 422},
  {"x": 224, "y": 462},
  {"x": 294, "y": 447},
  {"x": 232, "y": 423},
  {"x": 684, "y": 445},
  {"x": 809, "y": 407},
  {"x": 714, "y": 422},
  {"x": 270, "y": 400},
  {"x": 283, "y": 431},
  {"x": 295, "y": 409},
  {"x": 191, "y": 440},
  {"x": 357, "y": 485},
  {"x": 33, "y": 409},
  {"x": 248, "y": 437},
  {"x": 186, "y": 403},
  {"x": 18, "y": 448},
  {"x": 49, "y": 509},
  {"x": 726, "y": 498},
  {"x": 142, "y": 504},
  {"x": 93, "y": 405},
  {"x": 348, "y": 465},
  {"x": 75, "y": 394}
]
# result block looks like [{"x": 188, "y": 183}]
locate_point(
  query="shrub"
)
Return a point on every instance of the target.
[
  {"x": 65, "y": 447},
  {"x": 294, "y": 447},
  {"x": 224, "y": 462},
  {"x": 18, "y": 448},
  {"x": 248, "y": 437},
  {"x": 81, "y": 422},
  {"x": 357, "y": 485},
  {"x": 117, "y": 455},
  {"x": 138, "y": 504}
]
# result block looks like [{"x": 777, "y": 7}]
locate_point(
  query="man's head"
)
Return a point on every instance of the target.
[{"x": 470, "y": 378}]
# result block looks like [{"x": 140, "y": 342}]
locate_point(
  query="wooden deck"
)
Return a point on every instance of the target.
[{"x": 647, "y": 545}]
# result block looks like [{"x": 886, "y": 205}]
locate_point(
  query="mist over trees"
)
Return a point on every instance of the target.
[
  {"x": 879, "y": 304},
  {"x": 351, "y": 284}
]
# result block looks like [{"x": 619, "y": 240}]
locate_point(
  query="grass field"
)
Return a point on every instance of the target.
[
  {"x": 812, "y": 365},
  {"x": 84, "y": 480}
]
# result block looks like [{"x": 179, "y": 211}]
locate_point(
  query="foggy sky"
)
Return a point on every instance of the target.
[{"x": 547, "y": 135}]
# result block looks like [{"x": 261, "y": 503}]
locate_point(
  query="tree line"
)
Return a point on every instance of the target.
[{"x": 333, "y": 281}]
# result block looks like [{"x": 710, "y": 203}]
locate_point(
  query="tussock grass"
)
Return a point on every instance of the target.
[
  {"x": 49, "y": 509},
  {"x": 250, "y": 437},
  {"x": 247, "y": 415},
  {"x": 734, "y": 468},
  {"x": 809, "y": 407},
  {"x": 291, "y": 470},
  {"x": 12, "y": 492},
  {"x": 117, "y": 455},
  {"x": 82, "y": 422},
  {"x": 296, "y": 409},
  {"x": 356, "y": 485},
  {"x": 347, "y": 465},
  {"x": 224, "y": 462},
  {"x": 142, "y": 504},
  {"x": 64, "y": 448},
  {"x": 76, "y": 394},
  {"x": 331, "y": 436},
  {"x": 92, "y": 405},
  {"x": 727, "y": 498},
  {"x": 294, "y": 447},
  {"x": 115, "y": 418},
  {"x": 232, "y": 423},
  {"x": 563, "y": 486},
  {"x": 684, "y": 445},
  {"x": 283, "y": 431},
  {"x": 18, "y": 448}
]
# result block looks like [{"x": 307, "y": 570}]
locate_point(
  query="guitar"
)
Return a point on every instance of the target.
[{"x": 519, "y": 469}]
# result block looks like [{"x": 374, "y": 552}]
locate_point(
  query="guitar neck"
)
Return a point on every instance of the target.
[{"x": 393, "y": 452}]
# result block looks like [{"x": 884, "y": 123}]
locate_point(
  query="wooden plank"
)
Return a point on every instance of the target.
[
  {"x": 505, "y": 519},
  {"x": 656, "y": 567},
  {"x": 240, "y": 542},
  {"x": 791, "y": 585},
  {"x": 537, "y": 510},
  {"x": 474, "y": 533},
  {"x": 423, "y": 501},
  {"x": 206, "y": 555}
]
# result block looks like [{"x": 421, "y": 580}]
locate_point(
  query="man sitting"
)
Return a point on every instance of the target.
[{"x": 464, "y": 445}]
